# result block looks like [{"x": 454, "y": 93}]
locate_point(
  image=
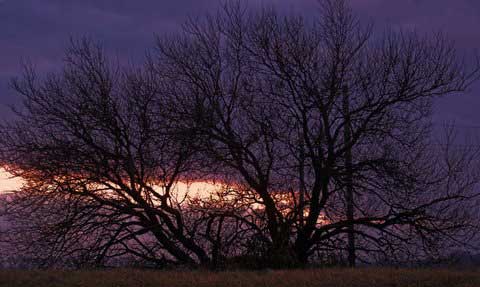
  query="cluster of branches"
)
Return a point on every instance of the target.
[{"x": 318, "y": 131}]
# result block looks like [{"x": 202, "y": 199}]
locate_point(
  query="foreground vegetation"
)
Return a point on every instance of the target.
[{"x": 315, "y": 277}]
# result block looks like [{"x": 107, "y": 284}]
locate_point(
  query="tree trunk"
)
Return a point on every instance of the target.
[{"x": 349, "y": 179}]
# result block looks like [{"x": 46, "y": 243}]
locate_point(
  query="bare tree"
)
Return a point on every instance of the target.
[
  {"x": 265, "y": 92},
  {"x": 95, "y": 147},
  {"x": 319, "y": 131}
]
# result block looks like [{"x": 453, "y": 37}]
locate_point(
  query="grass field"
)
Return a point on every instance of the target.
[{"x": 302, "y": 278}]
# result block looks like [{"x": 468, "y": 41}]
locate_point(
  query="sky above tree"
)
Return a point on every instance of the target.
[{"x": 38, "y": 31}]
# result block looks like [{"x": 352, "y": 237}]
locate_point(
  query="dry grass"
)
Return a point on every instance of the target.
[{"x": 319, "y": 277}]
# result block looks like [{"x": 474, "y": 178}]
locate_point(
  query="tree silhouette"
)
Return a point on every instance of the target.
[
  {"x": 266, "y": 94},
  {"x": 320, "y": 132},
  {"x": 98, "y": 139}
]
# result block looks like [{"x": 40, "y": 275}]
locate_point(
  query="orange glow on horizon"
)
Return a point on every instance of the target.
[
  {"x": 194, "y": 189},
  {"x": 8, "y": 182},
  {"x": 200, "y": 189}
]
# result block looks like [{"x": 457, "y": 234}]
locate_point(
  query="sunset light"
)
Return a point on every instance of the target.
[{"x": 8, "y": 182}]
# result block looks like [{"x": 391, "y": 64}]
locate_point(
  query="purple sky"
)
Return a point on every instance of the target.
[{"x": 38, "y": 30}]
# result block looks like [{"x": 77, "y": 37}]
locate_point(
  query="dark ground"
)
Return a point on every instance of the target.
[{"x": 370, "y": 277}]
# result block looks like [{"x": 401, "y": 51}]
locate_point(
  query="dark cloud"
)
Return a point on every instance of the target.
[{"x": 39, "y": 31}]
